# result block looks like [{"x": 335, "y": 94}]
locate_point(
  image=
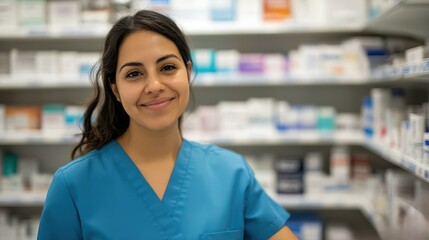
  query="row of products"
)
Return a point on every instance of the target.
[
  {"x": 389, "y": 121},
  {"x": 20, "y": 174},
  {"x": 50, "y": 64},
  {"x": 255, "y": 114},
  {"x": 14, "y": 228},
  {"x": 22, "y": 13},
  {"x": 353, "y": 59},
  {"x": 57, "y": 118},
  {"x": 306, "y": 174},
  {"x": 411, "y": 62},
  {"x": 266, "y": 115}
]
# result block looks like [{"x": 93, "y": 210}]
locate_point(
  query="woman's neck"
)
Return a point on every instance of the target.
[{"x": 144, "y": 145}]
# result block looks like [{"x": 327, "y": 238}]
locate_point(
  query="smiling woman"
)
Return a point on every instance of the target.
[
  {"x": 135, "y": 177},
  {"x": 152, "y": 82}
]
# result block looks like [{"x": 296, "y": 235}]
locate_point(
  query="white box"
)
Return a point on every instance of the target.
[
  {"x": 416, "y": 54},
  {"x": 68, "y": 64},
  {"x": 227, "y": 61},
  {"x": 64, "y": 13},
  {"x": 8, "y": 14},
  {"x": 22, "y": 63},
  {"x": 31, "y": 12},
  {"x": 47, "y": 63},
  {"x": 249, "y": 11},
  {"x": 190, "y": 12}
]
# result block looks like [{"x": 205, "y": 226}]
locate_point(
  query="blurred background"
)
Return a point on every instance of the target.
[{"x": 326, "y": 99}]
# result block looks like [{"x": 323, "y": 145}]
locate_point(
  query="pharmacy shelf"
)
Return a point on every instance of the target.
[
  {"x": 415, "y": 167},
  {"x": 237, "y": 28},
  {"x": 17, "y": 199},
  {"x": 237, "y": 138},
  {"x": 194, "y": 28},
  {"x": 8, "y": 82},
  {"x": 409, "y": 17},
  {"x": 96, "y": 31},
  {"x": 37, "y": 137},
  {"x": 260, "y": 80},
  {"x": 270, "y": 138},
  {"x": 345, "y": 200}
]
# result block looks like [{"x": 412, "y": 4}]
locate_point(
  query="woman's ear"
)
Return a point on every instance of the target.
[
  {"x": 189, "y": 68},
  {"x": 116, "y": 92}
]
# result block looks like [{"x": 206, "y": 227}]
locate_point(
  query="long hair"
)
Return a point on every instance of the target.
[{"x": 105, "y": 119}]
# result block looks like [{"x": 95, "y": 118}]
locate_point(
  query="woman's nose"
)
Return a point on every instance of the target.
[{"x": 154, "y": 85}]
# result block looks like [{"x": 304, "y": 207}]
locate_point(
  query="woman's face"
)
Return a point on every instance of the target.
[{"x": 152, "y": 81}]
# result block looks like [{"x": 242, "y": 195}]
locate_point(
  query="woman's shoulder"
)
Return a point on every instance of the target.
[
  {"x": 83, "y": 163},
  {"x": 210, "y": 149},
  {"x": 216, "y": 155},
  {"x": 79, "y": 163}
]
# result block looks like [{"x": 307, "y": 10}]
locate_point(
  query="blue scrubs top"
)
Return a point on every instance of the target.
[{"x": 212, "y": 194}]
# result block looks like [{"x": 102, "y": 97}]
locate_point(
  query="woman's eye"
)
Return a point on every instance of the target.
[
  {"x": 133, "y": 74},
  {"x": 168, "y": 67}
]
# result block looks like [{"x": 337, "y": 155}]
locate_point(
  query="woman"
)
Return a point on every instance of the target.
[{"x": 136, "y": 177}]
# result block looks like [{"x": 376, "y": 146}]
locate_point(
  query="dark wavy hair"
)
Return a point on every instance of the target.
[{"x": 111, "y": 120}]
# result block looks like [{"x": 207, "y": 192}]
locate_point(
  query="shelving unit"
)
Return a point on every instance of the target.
[{"x": 99, "y": 31}]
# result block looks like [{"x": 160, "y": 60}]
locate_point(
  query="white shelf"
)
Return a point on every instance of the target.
[
  {"x": 238, "y": 80},
  {"x": 97, "y": 31},
  {"x": 413, "y": 166},
  {"x": 202, "y": 80},
  {"x": 408, "y": 17},
  {"x": 37, "y": 137},
  {"x": 269, "y": 138},
  {"x": 43, "y": 82},
  {"x": 194, "y": 28},
  {"x": 27, "y": 199},
  {"x": 237, "y": 28},
  {"x": 242, "y": 138},
  {"x": 344, "y": 200}
]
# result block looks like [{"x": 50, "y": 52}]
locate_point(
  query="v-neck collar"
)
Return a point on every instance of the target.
[{"x": 163, "y": 210}]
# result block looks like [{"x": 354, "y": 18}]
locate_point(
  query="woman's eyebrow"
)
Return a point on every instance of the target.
[
  {"x": 166, "y": 57},
  {"x": 139, "y": 64},
  {"x": 132, "y": 64}
]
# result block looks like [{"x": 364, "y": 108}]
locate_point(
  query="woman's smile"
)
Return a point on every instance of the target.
[{"x": 158, "y": 103}]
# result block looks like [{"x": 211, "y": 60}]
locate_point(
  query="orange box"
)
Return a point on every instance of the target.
[
  {"x": 23, "y": 117},
  {"x": 277, "y": 10}
]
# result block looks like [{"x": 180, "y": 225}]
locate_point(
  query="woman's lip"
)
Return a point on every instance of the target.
[
  {"x": 157, "y": 101},
  {"x": 157, "y": 104}
]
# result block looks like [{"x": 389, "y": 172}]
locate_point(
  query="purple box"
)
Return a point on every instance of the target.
[{"x": 251, "y": 63}]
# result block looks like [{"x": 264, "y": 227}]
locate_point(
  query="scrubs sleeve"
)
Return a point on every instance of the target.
[
  {"x": 60, "y": 219},
  {"x": 263, "y": 217}
]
